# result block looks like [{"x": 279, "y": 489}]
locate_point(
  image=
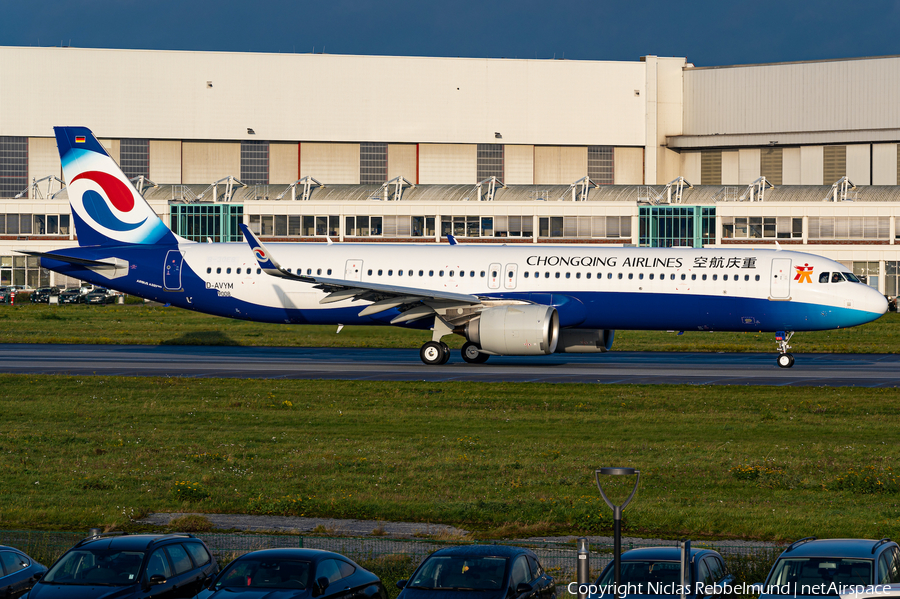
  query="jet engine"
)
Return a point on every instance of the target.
[
  {"x": 519, "y": 330},
  {"x": 585, "y": 341}
]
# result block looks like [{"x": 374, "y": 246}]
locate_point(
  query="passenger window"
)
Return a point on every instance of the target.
[
  {"x": 441, "y": 273},
  {"x": 258, "y": 270},
  {"x": 641, "y": 276},
  {"x": 609, "y": 275},
  {"x": 421, "y": 273},
  {"x": 208, "y": 269},
  {"x": 399, "y": 273},
  {"x": 158, "y": 564},
  {"x": 239, "y": 271},
  {"x": 884, "y": 569},
  {"x": 510, "y": 274},
  {"x": 218, "y": 270},
  {"x": 519, "y": 573},
  {"x": 546, "y": 275},
  {"x": 345, "y": 568},
  {"x": 683, "y": 276},
  {"x": 651, "y": 276},
  {"x": 746, "y": 277},
  {"x": 837, "y": 277},
  {"x": 703, "y": 573},
  {"x": 704, "y": 277},
  {"x": 370, "y": 272},
  {"x": 577, "y": 275},
  {"x": 198, "y": 553},
  {"x": 319, "y": 271},
  {"x": 180, "y": 559},
  {"x": 309, "y": 271},
  {"x": 724, "y": 277},
  {"x": 568, "y": 275},
  {"x": 620, "y": 275},
  {"x": 379, "y": 272},
  {"x": 715, "y": 277},
  {"x": 693, "y": 277},
  {"x": 471, "y": 273},
  {"x": 757, "y": 277},
  {"x": 672, "y": 276},
  {"x": 390, "y": 272},
  {"x": 536, "y": 570},
  {"x": 587, "y": 275},
  {"x": 451, "y": 273},
  {"x": 482, "y": 274},
  {"x": 228, "y": 271},
  {"x": 430, "y": 273},
  {"x": 410, "y": 273},
  {"x": 494, "y": 274},
  {"x": 462, "y": 273},
  {"x": 12, "y": 562},
  {"x": 557, "y": 275},
  {"x": 823, "y": 278},
  {"x": 329, "y": 569},
  {"x": 329, "y": 271},
  {"x": 630, "y": 275},
  {"x": 526, "y": 274}
]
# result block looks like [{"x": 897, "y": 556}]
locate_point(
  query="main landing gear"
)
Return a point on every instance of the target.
[
  {"x": 435, "y": 353},
  {"x": 785, "y": 360},
  {"x": 471, "y": 354}
]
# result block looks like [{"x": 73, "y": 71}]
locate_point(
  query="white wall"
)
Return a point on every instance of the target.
[
  {"x": 209, "y": 162},
  {"x": 165, "y": 162},
  {"x": 43, "y": 161},
  {"x": 448, "y": 163},
  {"x": 749, "y": 160},
  {"x": 283, "y": 163},
  {"x": 812, "y": 165},
  {"x": 518, "y": 167},
  {"x": 858, "y": 164},
  {"x": 629, "y": 165},
  {"x": 322, "y": 97},
  {"x": 555, "y": 165},
  {"x": 884, "y": 164},
  {"x": 402, "y": 162},
  {"x": 330, "y": 163}
]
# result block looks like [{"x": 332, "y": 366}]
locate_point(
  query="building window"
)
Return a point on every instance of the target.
[
  {"x": 762, "y": 227},
  {"x": 771, "y": 165},
  {"x": 422, "y": 226},
  {"x": 13, "y": 166},
  {"x": 372, "y": 163},
  {"x": 677, "y": 226},
  {"x": 891, "y": 278},
  {"x": 711, "y": 168},
  {"x": 199, "y": 222},
  {"x": 852, "y": 227},
  {"x": 490, "y": 161},
  {"x": 604, "y": 227},
  {"x": 600, "y": 165},
  {"x": 513, "y": 226},
  {"x": 834, "y": 164},
  {"x": 255, "y": 162},
  {"x": 867, "y": 272},
  {"x": 134, "y": 157}
]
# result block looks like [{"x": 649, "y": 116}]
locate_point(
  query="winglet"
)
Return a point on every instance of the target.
[{"x": 451, "y": 239}]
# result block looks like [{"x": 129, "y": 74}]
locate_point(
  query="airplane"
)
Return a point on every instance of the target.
[{"x": 506, "y": 300}]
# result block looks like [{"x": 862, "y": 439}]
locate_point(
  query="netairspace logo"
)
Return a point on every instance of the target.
[{"x": 743, "y": 588}]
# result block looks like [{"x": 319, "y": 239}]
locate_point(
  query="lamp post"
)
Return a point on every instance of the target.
[{"x": 617, "y": 515}]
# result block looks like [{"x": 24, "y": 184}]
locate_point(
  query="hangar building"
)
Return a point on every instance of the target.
[{"x": 655, "y": 152}]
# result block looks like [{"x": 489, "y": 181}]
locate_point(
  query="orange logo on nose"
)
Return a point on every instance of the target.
[{"x": 804, "y": 273}]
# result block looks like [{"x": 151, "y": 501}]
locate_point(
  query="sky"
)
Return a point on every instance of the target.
[{"x": 707, "y": 33}]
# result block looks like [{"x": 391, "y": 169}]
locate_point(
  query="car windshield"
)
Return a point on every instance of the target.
[
  {"x": 654, "y": 577},
  {"x": 818, "y": 575},
  {"x": 460, "y": 573},
  {"x": 265, "y": 574},
  {"x": 100, "y": 567}
]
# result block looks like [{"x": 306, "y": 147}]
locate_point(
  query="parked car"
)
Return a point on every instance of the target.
[
  {"x": 656, "y": 571},
  {"x": 18, "y": 572},
  {"x": 5, "y": 294},
  {"x": 100, "y": 295},
  {"x": 42, "y": 295},
  {"x": 129, "y": 567},
  {"x": 70, "y": 295},
  {"x": 484, "y": 571},
  {"x": 814, "y": 567},
  {"x": 294, "y": 573}
]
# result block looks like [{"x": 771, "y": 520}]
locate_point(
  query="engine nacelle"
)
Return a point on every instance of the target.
[
  {"x": 519, "y": 330},
  {"x": 585, "y": 341}
]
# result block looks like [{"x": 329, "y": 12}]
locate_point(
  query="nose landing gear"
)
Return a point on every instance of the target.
[{"x": 785, "y": 359}]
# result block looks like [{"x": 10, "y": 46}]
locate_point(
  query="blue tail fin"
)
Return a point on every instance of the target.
[{"x": 106, "y": 208}]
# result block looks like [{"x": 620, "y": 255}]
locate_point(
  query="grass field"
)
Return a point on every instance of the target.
[
  {"x": 154, "y": 325},
  {"x": 502, "y": 459}
]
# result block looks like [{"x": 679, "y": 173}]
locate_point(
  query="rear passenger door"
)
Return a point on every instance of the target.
[
  {"x": 540, "y": 580},
  {"x": 158, "y": 563},
  {"x": 187, "y": 577},
  {"x": 331, "y": 569}
]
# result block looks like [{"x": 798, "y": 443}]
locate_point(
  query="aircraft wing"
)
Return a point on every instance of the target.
[{"x": 413, "y": 302}]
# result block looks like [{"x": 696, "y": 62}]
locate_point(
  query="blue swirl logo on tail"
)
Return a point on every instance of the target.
[{"x": 118, "y": 195}]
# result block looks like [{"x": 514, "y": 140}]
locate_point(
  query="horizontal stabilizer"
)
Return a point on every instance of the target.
[{"x": 109, "y": 264}]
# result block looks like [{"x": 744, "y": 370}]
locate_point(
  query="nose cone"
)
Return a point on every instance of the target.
[{"x": 871, "y": 300}]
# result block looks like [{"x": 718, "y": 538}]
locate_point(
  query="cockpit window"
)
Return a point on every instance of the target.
[
  {"x": 823, "y": 278},
  {"x": 837, "y": 277},
  {"x": 851, "y": 277}
]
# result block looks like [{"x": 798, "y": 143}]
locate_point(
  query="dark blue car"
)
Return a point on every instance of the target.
[
  {"x": 172, "y": 566},
  {"x": 814, "y": 567},
  {"x": 479, "y": 572},
  {"x": 294, "y": 573},
  {"x": 656, "y": 571},
  {"x": 18, "y": 572}
]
